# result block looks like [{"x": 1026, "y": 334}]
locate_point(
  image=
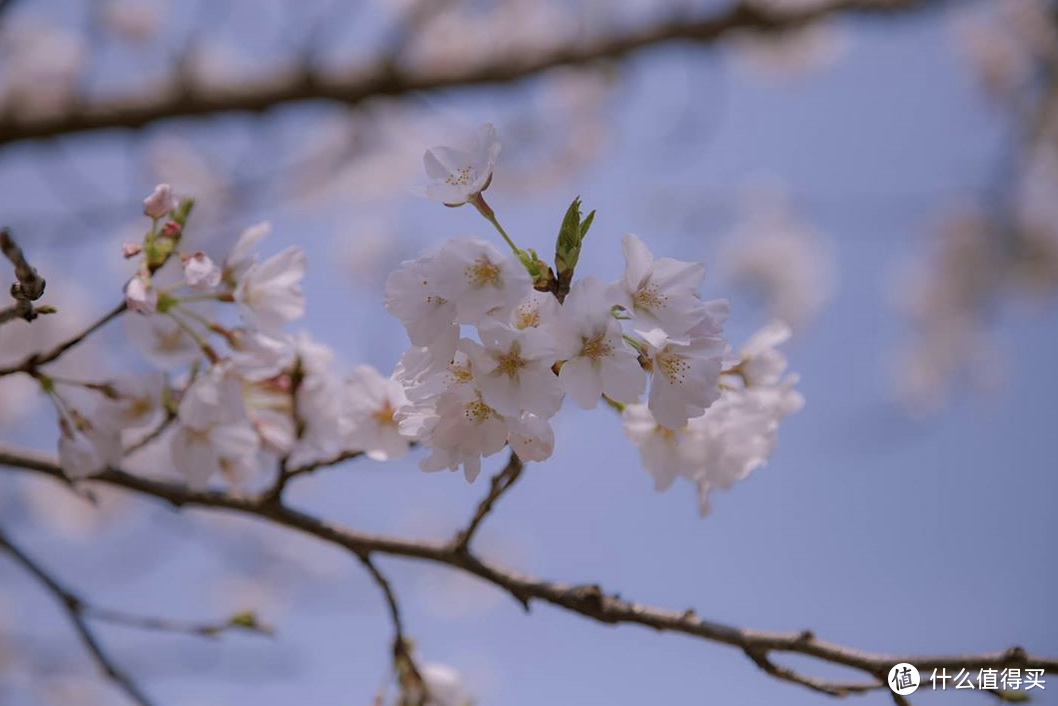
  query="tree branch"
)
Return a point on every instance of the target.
[
  {"x": 499, "y": 485},
  {"x": 590, "y": 601},
  {"x": 305, "y": 83},
  {"x": 35, "y": 360},
  {"x": 411, "y": 681},
  {"x": 75, "y": 610},
  {"x": 28, "y": 286}
]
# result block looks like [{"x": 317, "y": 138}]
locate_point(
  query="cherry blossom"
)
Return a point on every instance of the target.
[
  {"x": 411, "y": 295},
  {"x": 537, "y": 310},
  {"x": 685, "y": 373},
  {"x": 513, "y": 370},
  {"x": 269, "y": 293},
  {"x": 200, "y": 273},
  {"x": 160, "y": 202},
  {"x": 659, "y": 293},
  {"x": 161, "y": 340},
  {"x": 370, "y": 416},
  {"x": 531, "y": 437},
  {"x": 244, "y": 253},
  {"x": 597, "y": 359},
  {"x": 461, "y": 429},
  {"x": 444, "y": 686},
  {"x": 458, "y": 175},
  {"x": 479, "y": 279},
  {"x": 140, "y": 295},
  {"x": 735, "y": 435},
  {"x": 136, "y": 402},
  {"x": 214, "y": 436},
  {"x": 84, "y": 452}
]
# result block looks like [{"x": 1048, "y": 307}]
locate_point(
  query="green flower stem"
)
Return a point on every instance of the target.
[{"x": 485, "y": 210}]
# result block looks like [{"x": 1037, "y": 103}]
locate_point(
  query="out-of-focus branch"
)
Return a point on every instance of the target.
[
  {"x": 75, "y": 610},
  {"x": 588, "y": 600},
  {"x": 306, "y": 83},
  {"x": 412, "y": 685},
  {"x": 28, "y": 286}
]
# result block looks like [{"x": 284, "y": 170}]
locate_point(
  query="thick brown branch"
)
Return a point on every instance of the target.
[
  {"x": 304, "y": 84},
  {"x": 587, "y": 600}
]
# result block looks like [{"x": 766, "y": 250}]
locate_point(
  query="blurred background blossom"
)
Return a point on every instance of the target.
[{"x": 907, "y": 230}]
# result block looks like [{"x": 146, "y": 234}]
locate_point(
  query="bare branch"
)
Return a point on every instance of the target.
[
  {"x": 28, "y": 286},
  {"x": 35, "y": 360},
  {"x": 305, "y": 83},
  {"x": 241, "y": 621},
  {"x": 499, "y": 485},
  {"x": 75, "y": 610},
  {"x": 588, "y": 600},
  {"x": 408, "y": 671}
]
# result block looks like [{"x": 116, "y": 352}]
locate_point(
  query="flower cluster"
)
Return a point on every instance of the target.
[
  {"x": 735, "y": 435},
  {"x": 498, "y": 337},
  {"x": 234, "y": 394}
]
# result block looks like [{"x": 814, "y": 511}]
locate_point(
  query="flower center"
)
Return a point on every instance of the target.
[
  {"x": 649, "y": 296},
  {"x": 673, "y": 367},
  {"x": 169, "y": 341},
  {"x": 464, "y": 176},
  {"x": 596, "y": 347},
  {"x": 483, "y": 272},
  {"x": 139, "y": 406},
  {"x": 511, "y": 362},
  {"x": 383, "y": 416},
  {"x": 460, "y": 373},
  {"x": 478, "y": 411},
  {"x": 668, "y": 435},
  {"x": 527, "y": 316}
]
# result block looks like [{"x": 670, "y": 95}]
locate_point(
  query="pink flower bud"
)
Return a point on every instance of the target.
[
  {"x": 140, "y": 296},
  {"x": 131, "y": 250},
  {"x": 200, "y": 272},
  {"x": 171, "y": 229},
  {"x": 160, "y": 202}
]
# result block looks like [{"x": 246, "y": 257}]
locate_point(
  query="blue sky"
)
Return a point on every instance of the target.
[{"x": 872, "y": 529}]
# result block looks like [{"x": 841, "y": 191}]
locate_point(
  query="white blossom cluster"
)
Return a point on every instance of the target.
[
  {"x": 232, "y": 397},
  {"x": 471, "y": 395},
  {"x": 498, "y": 340}
]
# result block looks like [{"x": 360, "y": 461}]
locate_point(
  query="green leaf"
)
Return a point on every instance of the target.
[
  {"x": 567, "y": 248},
  {"x": 586, "y": 224},
  {"x": 182, "y": 211}
]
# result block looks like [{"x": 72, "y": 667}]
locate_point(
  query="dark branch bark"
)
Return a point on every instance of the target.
[
  {"x": 588, "y": 600},
  {"x": 28, "y": 286},
  {"x": 300, "y": 84}
]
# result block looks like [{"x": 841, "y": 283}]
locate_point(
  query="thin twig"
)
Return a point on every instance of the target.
[
  {"x": 75, "y": 610},
  {"x": 241, "y": 621},
  {"x": 412, "y": 682},
  {"x": 35, "y": 360},
  {"x": 825, "y": 686},
  {"x": 500, "y": 484},
  {"x": 587, "y": 600}
]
